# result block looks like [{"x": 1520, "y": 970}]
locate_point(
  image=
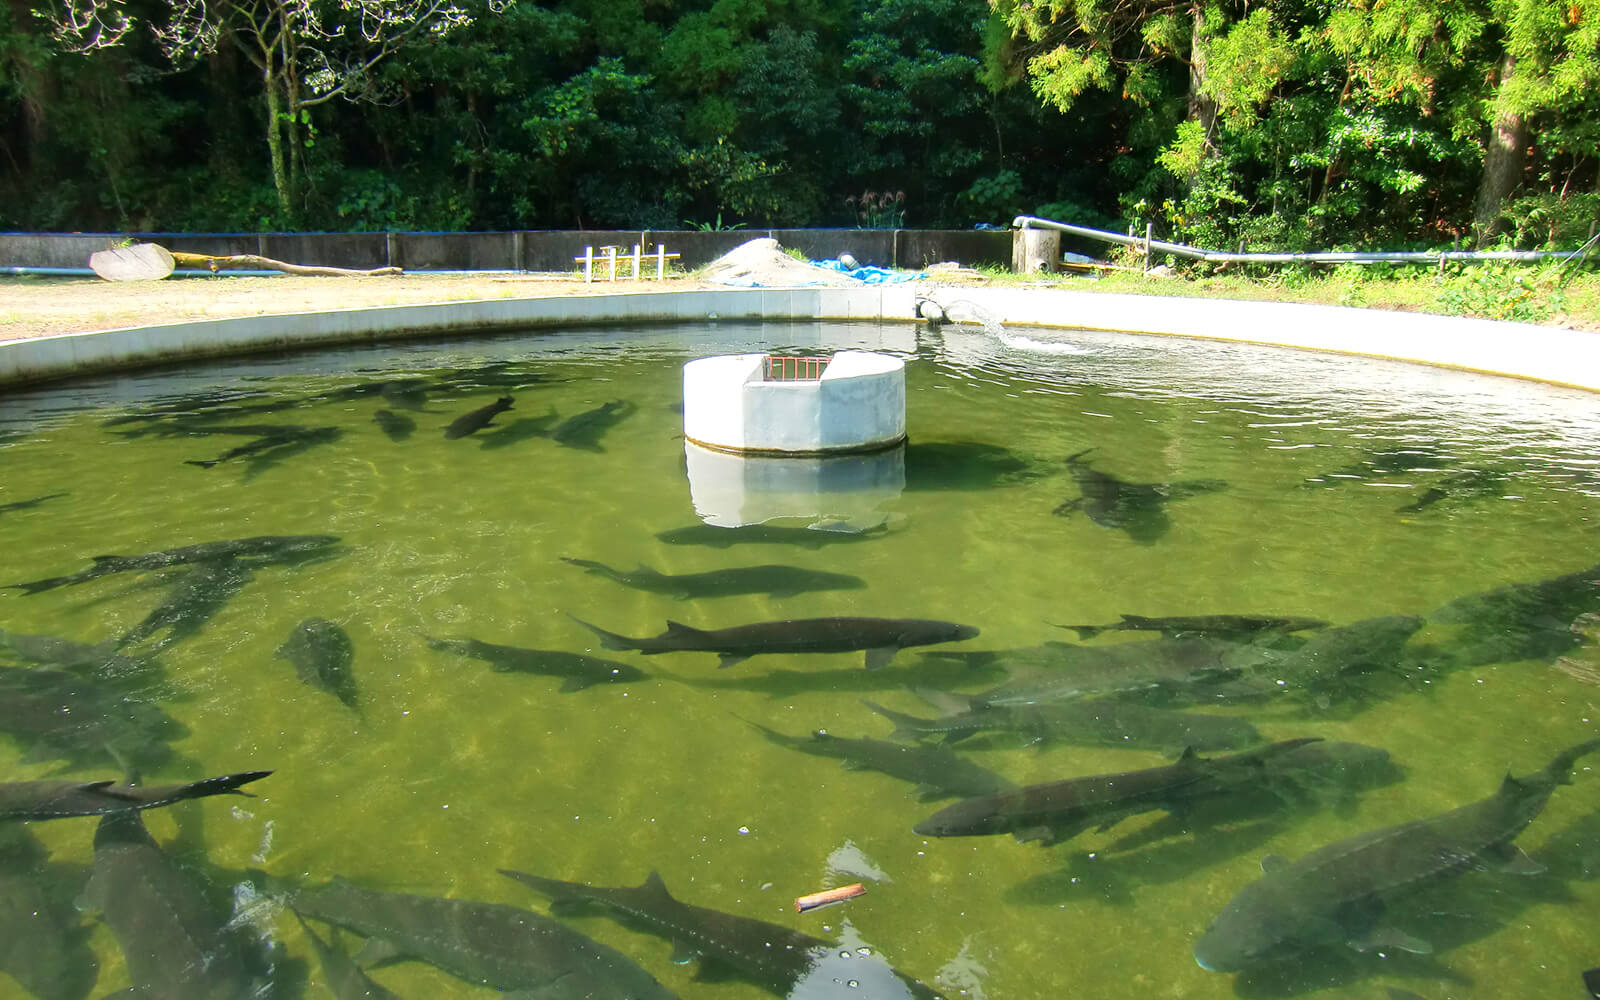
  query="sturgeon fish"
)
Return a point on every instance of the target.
[
  {"x": 880, "y": 637},
  {"x": 478, "y": 419},
  {"x": 1060, "y": 810},
  {"x": 39, "y": 800},
  {"x": 500, "y": 946},
  {"x": 774, "y": 580},
  {"x": 268, "y": 548},
  {"x": 1211, "y": 626},
  {"x": 1083, "y": 723},
  {"x": 937, "y": 771},
  {"x": 1334, "y": 894},
  {"x": 177, "y": 944},
  {"x": 773, "y": 957},
  {"x": 1138, "y": 509},
  {"x": 576, "y": 670}
]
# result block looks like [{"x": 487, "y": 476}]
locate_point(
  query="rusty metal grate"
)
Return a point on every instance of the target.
[{"x": 782, "y": 369}]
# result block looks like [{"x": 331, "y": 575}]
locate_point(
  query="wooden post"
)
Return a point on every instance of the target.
[
  {"x": 661, "y": 260},
  {"x": 587, "y": 260},
  {"x": 637, "y": 274},
  {"x": 611, "y": 261},
  {"x": 1149, "y": 231}
]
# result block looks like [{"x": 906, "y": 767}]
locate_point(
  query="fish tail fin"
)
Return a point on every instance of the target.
[
  {"x": 227, "y": 784},
  {"x": 610, "y": 640},
  {"x": 1559, "y": 771},
  {"x": 40, "y": 586},
  {"x": 203, "y": 463},
  {"x": 947, "y": 702},
  {"x": 905, "y": 725},
  {"x": 557, "y": 890},
  {"x": 586, "y": 564},
  {"x": 1084, "y": 631},
  {"x": 1079, "y": 454}
]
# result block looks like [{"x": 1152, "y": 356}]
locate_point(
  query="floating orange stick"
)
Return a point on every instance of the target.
[{"x": 823, "y": 898}]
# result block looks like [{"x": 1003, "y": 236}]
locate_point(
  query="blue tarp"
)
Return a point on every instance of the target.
[{"x": 870, "y": 275}]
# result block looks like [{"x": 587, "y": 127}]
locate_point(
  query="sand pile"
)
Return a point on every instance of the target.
[{"x": 762, "y": 263}]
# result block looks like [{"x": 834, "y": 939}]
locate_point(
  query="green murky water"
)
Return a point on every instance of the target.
[{"x": 446, "y": 770}]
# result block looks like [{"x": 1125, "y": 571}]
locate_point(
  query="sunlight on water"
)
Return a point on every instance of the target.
[{"x": 1062, "y": 479}]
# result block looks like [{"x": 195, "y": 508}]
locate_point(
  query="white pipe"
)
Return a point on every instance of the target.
[{"x": 1323, "y": 257}]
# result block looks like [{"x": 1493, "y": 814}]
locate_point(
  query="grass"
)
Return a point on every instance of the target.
[{"x": 1505, "y": 291}]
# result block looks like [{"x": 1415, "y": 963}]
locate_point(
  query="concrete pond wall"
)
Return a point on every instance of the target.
[
  {"x": 529, "y": 250},
  {"x": 1546, "y": 354}
]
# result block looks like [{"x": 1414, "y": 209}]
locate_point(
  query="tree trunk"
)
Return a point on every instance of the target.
[
  {"x": 1504, "y": 160},
  {"x": 1202, "y": 106},
  {"x": 275, "y": 151}
]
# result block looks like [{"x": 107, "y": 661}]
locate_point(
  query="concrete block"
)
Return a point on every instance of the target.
[
  {"x": 53, "y": 249},
  {"x": 454, "y": 251},
  {"x": 918, "y": 248},
  {"x": 873, "y": 247},
  {"x": 361, "y": 251}
]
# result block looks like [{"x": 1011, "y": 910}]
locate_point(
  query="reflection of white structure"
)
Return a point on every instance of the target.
[
  {"x": 765, "y": 405},
  {"x": 732, "y": 490}
]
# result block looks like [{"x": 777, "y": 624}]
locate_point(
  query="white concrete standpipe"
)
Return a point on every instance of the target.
[{"x": 760, "y": 404}]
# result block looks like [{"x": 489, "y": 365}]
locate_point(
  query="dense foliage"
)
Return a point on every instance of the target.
[{"x": 1278, "y": 124}]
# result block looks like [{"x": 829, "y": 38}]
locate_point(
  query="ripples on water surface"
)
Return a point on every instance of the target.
[{"x": 1207, "y": 479}]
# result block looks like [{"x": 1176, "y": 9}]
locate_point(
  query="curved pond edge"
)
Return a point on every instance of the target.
[{"x": 1518, "y": 350}]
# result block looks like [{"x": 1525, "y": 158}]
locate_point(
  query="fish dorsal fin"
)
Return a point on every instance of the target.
[
  {"x": 378, "y": 951},
  {"x": 1512, "y": 785},
  {"x": 1273, "y": 863},
  {"x": 655, "y": 885},
  {"x": 1188, "y": 756},
  {"x": 679, "y": 630},
  {"x": 103, "y": 559}
]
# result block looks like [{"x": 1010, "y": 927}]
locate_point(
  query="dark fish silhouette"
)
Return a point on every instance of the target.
[
  {"x": 880, "y": 637},
  {"x": 1591, "y": 981},
  {"x": 40, "y": 800},
  {"x": 263, "y": 548},
  {"x": 396, "y": 426},
  {"x": 478, "y": 419},
  {"x": 1062, "y": 671},
  {"x": 1138, "y": 509},
  {"x": 768, "y": 534},
  {"x": 272, "y": 448},
  {"x": 584, "y": 430},
  {"x": 197, "y": 596},
  {"x": 407, "y": 394},
  {"x": 937, "y": 771},
  {"x": 963, "y": 465},
  {"x": 344, "y": 977},
  {"x": 1520, "y": 620},
  {"x": 503, "y": 947},
  {"x": 58, "y": 714},
  {"x": 518, "y": 431},
  {"x": 774, "y": 957},
  {"x": 1060, "y": 810},
  {"x": 98, "y": 660},
  {"x": 6, "y": 508},
  {"x": 1382, "y": 463},
  {"x": 1210, "y": 626},
  {"x": 1331, "y": 661},
  {"x": 1472, "y": 484},
  {"x": 178, "y": 946},
  {"x": 43, "y": 945},
  {"x": 321, "y": 654},
  {"x": 1334, "y": 894},
  {"x": 1083, "y": 723},
  {"x": 576, "y": 670},
  {"x": 776, "y": 581}
]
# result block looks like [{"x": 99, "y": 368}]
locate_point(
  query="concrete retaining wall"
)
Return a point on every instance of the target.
[
  {"x": 526, "y": 250},
  {"x": 1561, "y": 357}
]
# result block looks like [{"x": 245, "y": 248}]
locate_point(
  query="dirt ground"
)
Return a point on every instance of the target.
[{"x": 44, "y": 307}]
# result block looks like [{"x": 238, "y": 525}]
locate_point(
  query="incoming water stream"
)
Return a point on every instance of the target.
[{"x": 1051, "y": 479}]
